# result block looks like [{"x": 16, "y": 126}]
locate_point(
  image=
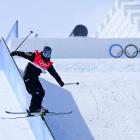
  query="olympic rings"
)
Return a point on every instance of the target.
[{"x": 130, "y": 51}]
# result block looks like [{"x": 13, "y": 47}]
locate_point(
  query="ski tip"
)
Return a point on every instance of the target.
[
  {"x": 7, "y": 111},
  {"x": 2, "y": 118}
]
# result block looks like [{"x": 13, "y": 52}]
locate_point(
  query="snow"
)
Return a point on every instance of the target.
[
  {"x": 15, "y": 129},
  {"x": 106, "y": 104}
]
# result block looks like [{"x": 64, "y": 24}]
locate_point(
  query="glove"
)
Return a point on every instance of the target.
[
  {"x": 12, "y": 53},
  {"x": 61, "y": 84}
]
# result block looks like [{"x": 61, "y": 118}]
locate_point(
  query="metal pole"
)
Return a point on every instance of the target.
[
  {"x": 76, "y": 83},
  {"x": 24, "y": 40}
]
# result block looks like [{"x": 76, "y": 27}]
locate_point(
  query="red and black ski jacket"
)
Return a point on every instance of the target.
[{"x": 37, "y": 61}]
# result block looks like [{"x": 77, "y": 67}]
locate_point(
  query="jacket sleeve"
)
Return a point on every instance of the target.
[
  {"x": 27, "y": 55},
  {"x": 53, "y": 72}
]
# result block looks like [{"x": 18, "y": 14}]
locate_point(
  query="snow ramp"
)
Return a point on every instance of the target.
[{"x": 13, "y": 98}]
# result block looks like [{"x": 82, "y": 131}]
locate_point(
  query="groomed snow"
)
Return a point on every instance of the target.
[
  {"x": 11, "y": 129},
  {"x": 106, "y": 104}
]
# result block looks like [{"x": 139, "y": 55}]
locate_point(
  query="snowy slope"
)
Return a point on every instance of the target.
[
  {"x": 15, "y": 129},
  {"x": 106, "y": 104}
]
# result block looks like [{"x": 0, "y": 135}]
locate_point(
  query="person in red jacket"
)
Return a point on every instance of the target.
[{"x": 39, "y": 63}]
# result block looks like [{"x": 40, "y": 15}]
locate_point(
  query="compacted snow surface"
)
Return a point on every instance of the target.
[{"x": 106, "y": 104}]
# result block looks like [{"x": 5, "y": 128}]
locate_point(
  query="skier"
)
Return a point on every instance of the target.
[{"x": 39, "y": 63}]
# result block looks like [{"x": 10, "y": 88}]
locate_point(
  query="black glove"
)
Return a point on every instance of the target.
[
  {"x": 12, "y": 53},
  {"x": 61, "y": 83}
]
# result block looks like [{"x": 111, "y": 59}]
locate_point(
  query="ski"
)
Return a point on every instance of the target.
[
  {"x": 39, "y": 113},
  {"x": 35, "y": 114},
  {"x": 9, "y": 112},
  {"x": 19, "y": 117}
]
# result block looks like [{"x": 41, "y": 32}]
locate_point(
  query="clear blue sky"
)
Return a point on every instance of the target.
[{"x": 52, "y": 18}]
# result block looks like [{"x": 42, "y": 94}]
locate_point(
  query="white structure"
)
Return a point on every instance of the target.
[
  {"x": 78, "y": 47},
  {"x": 13, "y": 98},
  {"x": 123, "y": 21}
]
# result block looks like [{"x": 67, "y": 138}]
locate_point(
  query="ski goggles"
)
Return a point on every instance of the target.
[{"x": 47, "y": 54}]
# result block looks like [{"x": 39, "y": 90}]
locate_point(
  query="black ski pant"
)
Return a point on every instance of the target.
[{"x": 37, "y": 92}]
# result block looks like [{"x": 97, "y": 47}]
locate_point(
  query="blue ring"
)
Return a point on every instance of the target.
[{"x": 117, "y": 46}]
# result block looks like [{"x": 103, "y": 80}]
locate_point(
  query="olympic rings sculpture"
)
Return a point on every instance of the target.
[{"x": 130, "y": 51}]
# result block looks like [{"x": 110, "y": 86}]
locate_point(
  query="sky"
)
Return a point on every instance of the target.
[{"x": 52, "y": 18}]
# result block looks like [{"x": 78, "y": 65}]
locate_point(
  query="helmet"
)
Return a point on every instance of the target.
[
  {"x": 47, "y": 48},
  {"x": 47, "y": 52}
]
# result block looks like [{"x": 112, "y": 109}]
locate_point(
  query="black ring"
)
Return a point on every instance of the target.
[{"x": 134, "y": 54}]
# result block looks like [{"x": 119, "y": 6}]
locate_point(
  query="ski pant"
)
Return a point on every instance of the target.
[{"x": 37, "y": 92}]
